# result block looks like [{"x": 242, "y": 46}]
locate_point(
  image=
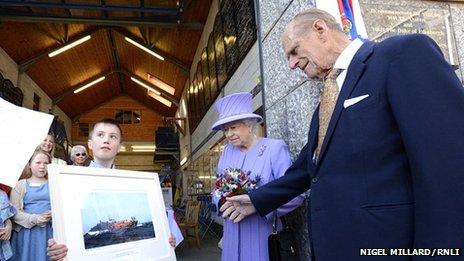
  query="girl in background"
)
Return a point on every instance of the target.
[
  {"x": 48, "y": 145},
  {"x": 6, "y": 212},
  {"x": 30, "y": 197}
]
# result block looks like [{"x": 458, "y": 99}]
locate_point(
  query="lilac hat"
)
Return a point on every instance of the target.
[{"x": 234, "y": 107}]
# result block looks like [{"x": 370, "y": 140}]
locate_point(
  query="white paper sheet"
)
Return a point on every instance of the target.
[{"x": 21, "y": 131}]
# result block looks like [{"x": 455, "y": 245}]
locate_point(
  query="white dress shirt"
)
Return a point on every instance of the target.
[{"x": 344, "y": 60}]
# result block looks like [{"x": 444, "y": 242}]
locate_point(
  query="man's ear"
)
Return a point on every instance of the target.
[
  {"x": 320, "y": 27},
  {"x": 89, "y": 144}
]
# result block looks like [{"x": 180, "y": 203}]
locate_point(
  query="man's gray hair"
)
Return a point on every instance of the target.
[
  {"x": 76, "y": 149},
  {"x": 303, "y": 21}
]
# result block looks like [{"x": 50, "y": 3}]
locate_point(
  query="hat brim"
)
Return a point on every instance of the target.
[{"x": 217, "y": 125}]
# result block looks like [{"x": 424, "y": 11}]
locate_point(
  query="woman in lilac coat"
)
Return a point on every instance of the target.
[{"x": 265, "y": 158}]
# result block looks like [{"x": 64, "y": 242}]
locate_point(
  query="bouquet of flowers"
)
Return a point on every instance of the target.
[{"x": 234, "y": 182}]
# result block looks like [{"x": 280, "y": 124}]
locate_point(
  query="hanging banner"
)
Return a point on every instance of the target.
[{"x": 348, "y": 15}]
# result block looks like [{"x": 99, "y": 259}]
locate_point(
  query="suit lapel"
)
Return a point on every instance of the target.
[
  {"x": 355, "y": 70},
  {"x": 312, "y": 137}
]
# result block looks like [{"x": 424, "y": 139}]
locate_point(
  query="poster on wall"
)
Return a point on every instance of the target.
[
  {"x": 246, "y": 35},
  {"x": 201, "y": 90},
  {"x": 230, "y": 35},
  {"x": 212, "y": 67},
  {"x": 220, "y": 51},
  {"x": 206, "y": 80}
]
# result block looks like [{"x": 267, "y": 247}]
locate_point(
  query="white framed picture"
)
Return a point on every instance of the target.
[{"x": 107, "y": 214}]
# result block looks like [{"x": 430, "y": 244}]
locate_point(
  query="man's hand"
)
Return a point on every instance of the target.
[
  {"x": 240, "y": 209},
  {"x": 5, "y": 233},
  {"x": 227, "y": 208},
  {"x": 56, "y": 252}
]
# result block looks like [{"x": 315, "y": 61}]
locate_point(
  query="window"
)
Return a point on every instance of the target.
[
  {"x": 83, "y": 129},
  {"x": 127, "y": 116},
  {"x": 36, "y": 104}
]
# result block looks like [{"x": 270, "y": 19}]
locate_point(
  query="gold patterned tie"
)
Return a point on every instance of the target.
[{"x": 328, "y": 99}]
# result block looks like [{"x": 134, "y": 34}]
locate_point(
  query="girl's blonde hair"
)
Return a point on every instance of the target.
[{"x": 27, "y": 173}]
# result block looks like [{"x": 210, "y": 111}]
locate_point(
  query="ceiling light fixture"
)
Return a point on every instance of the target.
[
  {"x": 144, "y": 48},
  {"x": 90, "y": 84},
  {"x": 162, "y": 85},
  {"x": 145, "y": 86},
  {"x": 69, "y": 46},
  {"x": 143, "y": 148},
  {"x": 159, "y": 98}
]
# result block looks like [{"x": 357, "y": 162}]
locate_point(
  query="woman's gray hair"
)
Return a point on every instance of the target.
[
  {"x": 253, "y": 123},
  {"x": 75, "y": 150}
]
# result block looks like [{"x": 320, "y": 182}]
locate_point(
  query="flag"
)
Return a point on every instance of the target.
[{"x": 348, "y": 14}]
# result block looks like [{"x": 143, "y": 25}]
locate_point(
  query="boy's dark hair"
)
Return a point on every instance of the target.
[{"x": 106, "y": 121}]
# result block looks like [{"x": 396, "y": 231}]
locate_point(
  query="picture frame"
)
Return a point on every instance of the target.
[{"x": 109, "y": 214}]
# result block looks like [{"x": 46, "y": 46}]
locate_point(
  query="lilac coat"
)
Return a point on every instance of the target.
[{"x": 247, "y": 240}]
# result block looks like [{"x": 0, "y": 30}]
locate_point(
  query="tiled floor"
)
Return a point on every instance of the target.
[{"x": 208, "y": 251}]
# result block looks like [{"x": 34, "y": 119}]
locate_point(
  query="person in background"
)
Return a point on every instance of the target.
[
  {"x": 262, "y": 158},
  {"x": 105, "y": 143},
  {"x": 48, "y": 145},
  {"x": 6, "y": 213},
  {"x": 78, "y": 155},
  {"x": 30, "y": 197}
]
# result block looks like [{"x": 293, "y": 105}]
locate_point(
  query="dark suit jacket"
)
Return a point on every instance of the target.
[{"x": 391, "y": 169}]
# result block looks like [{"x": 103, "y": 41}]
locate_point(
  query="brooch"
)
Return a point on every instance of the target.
[{"x": 261, "y": 150}]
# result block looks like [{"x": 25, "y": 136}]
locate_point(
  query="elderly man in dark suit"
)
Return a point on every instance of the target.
[{"x": 385, "y": 154}]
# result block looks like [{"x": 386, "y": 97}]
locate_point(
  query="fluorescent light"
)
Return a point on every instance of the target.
[
  {"x": 145, "y": 86},
  {"x": 204, "y": 177},
  {"x": 162, "y": 85},
  {"x": 144, "y": 48},
  {"x": 89, "y": 84},
  {"x": 122, "y": 149},
  {"x": 182, "y": 162},
  {"x": 69, "y": 46},
  {"x": 143, "y": 150},
  {"x": 159, "y": 98},
  {"x": 143, "y": 147}
]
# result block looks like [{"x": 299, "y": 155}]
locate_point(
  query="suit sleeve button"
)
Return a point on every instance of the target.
[{"x": 314, "y": 180}]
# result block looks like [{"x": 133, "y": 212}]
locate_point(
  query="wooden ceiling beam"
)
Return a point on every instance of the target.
[
  {"x": 166, "y": 95},
  {"x": 87, "y": 6},
  {"x": 58, "y": 98},
  {"x": 26, "y": 64},
  {"x": 176, "y": 62},
  {"x": 147, "y": 21},
  {"x": 114, "y": 54}
]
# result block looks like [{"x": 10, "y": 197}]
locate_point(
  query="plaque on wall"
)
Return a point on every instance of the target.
[
  {"x": 220, "y": 51},
  {"x": 246, "y": 35},
  {"x": 212, "y": 67},
  {"x": 196, "y": 106},
  {"x": 190, "y": 113},
  {"x": 384, "y": 20},
  {"x": 200, "y": 90},
  {"x": 206, "y": 81},
  {"x": 230, "y": 35}
]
